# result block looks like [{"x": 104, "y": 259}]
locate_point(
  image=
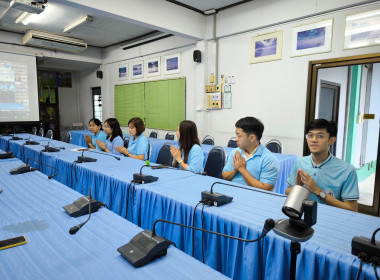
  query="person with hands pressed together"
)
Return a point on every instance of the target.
[
  {"x": 114, "y": 138},
  {"x": 251, "y": 163},
  {"x": 138, "y": 146},
  {"x": 189, "y": 156},
  {"x": 96, "y": 128},
  {"x": 330, "y": 180}
]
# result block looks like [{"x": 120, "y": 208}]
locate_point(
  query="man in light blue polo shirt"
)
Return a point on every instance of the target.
[
  {"x": 251, "y": 163},
  {"x": 330, "y": 180}
]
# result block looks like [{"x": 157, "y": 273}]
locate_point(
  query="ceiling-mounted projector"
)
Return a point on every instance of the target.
[{"x": 33, "y": 7}]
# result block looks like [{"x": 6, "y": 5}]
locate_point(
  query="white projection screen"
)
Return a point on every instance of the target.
[{"x": 18, "y": 88}]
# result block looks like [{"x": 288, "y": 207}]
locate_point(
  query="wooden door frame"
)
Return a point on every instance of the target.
[{"x": 314, "y": 66}]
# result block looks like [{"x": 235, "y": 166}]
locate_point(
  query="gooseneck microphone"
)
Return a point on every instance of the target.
[
  {"x": 75, "y": 229},
  {"x": 147, "y": 246},
  {"x": 50, "y": 176},
  {"x": 140, "y": 178},
  {"x": 105, "y": 154},
  {"x": 31, "y": 141}
]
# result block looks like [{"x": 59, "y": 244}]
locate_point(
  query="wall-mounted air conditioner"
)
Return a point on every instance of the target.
[{"x": 53, "y": 41}]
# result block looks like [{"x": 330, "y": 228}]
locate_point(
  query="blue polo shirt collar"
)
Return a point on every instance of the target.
[
  {"x": 323, "y": 163},
  {"x": 259, "y": 151}
]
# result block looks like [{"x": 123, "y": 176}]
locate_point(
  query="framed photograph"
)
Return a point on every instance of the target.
[
  {"x": 153, "y": 67},
  {"x": 266, "y": 47},
  {"x": 137, "y": 69},
  {"x": 123, "y": 72},
  {"x": 312, "y": 38},
  {"x": 173, "y": 63},
  {"x": 362, "y": 30}
]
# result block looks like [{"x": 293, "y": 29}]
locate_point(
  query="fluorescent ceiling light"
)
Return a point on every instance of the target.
[{"x": 76, "y": 24}]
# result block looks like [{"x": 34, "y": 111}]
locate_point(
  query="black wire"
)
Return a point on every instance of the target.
[
  {"x": 203, "y": 255},
  {"x": 375, "y": 269},
  {"x": 192, "y": 231},
  {"x": 373, "y": 236},
  {"x": 360, "y": 268}
]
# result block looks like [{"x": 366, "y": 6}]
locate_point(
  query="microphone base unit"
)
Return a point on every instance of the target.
[
  {"x": 50, "y": 150},
  {"x": 22, "y": 169},
  {"x": 362, "y": 244},
  {"x": 217, "y": 198},
  {"x": 27, "y": 142},
  {"x": 144, "y": 248},
  {"x": 6, "y": 134},
  {"x": 15, "y": 138},
  {"x": 6, "y": 155},
  {"x": 144, "y": 179},
  {"x": 292, "y": 232},
  {"x": 82, "y": 159},
  {"x": 80, "y": 207}
]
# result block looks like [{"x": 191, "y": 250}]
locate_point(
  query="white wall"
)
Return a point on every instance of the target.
[{"x": 275, "y": 92}]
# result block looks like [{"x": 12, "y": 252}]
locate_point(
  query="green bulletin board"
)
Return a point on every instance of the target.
[{"x": 161, "y": 104}]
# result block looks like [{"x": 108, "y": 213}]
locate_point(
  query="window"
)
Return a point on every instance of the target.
[{"x": 97, "y": 103}]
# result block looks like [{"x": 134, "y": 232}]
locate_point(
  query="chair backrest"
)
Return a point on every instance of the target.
[
  {"x": 169, "y": 136},
  {"x": 149, "y": 150},
  {"x": 67, "y": 137},
  {"x": 274, "y": 146},
  {"x": 215, "y": 162},
  {"x": 34, "y": 130},
  {"x": 41, "y": 132},
  {"x": 126, "y": 142},
  {"x": 232, "y": 143},
  {"x": 208, "y": 140},
  {"x": 164, "y": 155},
  {"x": 153, "y": 134},
  {"x": 49, "y": 134}
]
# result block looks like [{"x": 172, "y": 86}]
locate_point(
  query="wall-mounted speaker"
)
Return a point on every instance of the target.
[
  {"x": 99, "y": 74},
  {"x": 197, "y": 56}
]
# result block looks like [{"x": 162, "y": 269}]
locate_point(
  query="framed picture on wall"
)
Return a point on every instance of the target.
[
  {"x": 123, "y": 72},
  {"x": 137, "y": 69},
  {"x": 266, "y": 47},
  {"x": 312, "y": 38},
  {"x": 173, "y": 63},
  {"x": 362, "y": 30},
  {"x": 153, "y": 67}
]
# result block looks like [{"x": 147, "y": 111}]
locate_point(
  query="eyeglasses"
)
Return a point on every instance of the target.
[{"x": 310, "y": 136}]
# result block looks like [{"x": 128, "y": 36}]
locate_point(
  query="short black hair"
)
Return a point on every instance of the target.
[
  {"x": 97, "y": 122},
  {"x": 330, "y": 126},
  {"x": 251, "y": 125}
]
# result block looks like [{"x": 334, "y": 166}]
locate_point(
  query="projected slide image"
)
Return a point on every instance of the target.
[{"x": 13, "y": 86}]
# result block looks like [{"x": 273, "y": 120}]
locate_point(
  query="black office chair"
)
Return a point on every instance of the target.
[
  {"x": 153, "y": 134},
  {"x": 232, "y": 143},
  {"x": 215, "y": 162},
  {"x": 34, "y": 130},
  {"x": 41, "y": 132},
  {"x": 164, "y": 155},
  {"x": 67, "y": 137},
  {"x": 169, "y": 136},
  {"x": 274, "y": 146},
  {"x": 208, "y": 140},
  {"x": 49, "y": 134},
  {"x": 126, "y": 142},
  {"x": 149, "y": 150}
]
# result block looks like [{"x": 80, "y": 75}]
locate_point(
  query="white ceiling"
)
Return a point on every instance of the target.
[{"x": 102, "y": 32}]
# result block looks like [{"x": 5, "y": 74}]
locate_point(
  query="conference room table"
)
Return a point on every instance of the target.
[
  {"x": 31, "y": 205},
  {"x": 285, "y": 161},
  {"x": 327, "y": 255}
]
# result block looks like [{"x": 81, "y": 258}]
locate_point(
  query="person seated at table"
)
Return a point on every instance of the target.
[
  {"x": 138, "y": 145},
  {"x": 189, "y": 156},
  {"x": 114, "y": 136},
  {"x": 330, "y": 180},
  {"x": 251, "y": 163},
  {"x": 99, "y": 134}
]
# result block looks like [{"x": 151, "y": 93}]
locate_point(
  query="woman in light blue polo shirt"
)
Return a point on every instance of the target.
[
  {"x": 99, "y": 134},
  {"x": 114, "y": 138},
  {"x": 138, "y": 145},
  {"x": 189, "y": 156}
]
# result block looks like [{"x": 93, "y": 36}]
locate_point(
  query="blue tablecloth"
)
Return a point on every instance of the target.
[
  {"x": 174, "y": 196},
  {"x": 31, "y": 205},
  {"x": 77, "y": 137}
]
